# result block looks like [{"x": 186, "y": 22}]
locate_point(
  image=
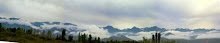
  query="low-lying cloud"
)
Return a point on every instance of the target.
[
  {"x": 209, "y": 35},
  {"x": 94, "y": 31}
]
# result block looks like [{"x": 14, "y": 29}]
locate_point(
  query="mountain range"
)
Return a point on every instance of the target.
[{"x": 134, "y": 29}]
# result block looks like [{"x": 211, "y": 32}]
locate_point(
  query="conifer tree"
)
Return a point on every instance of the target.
[
  {"x": 156, "y": 37},
  {"x": 153, "y": 38},
  {"x": 29, "y": 31},
  {"x": 90, "y": 38},
  {"x": 64, "y": 34},
  {"x": 99, "y": 40},
  {"x": 159, "y": 36},
  {"x": 79, "y": 37},
  {"x": 1, "y": 25},
  {"x": 84, "y": 38},
  {"x": 13, "y": 29}
]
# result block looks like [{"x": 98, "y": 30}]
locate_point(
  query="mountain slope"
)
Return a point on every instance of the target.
[{"x": 117, "y": 38}]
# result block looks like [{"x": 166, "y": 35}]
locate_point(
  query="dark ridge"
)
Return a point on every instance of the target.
[{"x": 14, "y": 18}]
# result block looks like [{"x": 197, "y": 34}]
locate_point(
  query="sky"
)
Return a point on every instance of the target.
[{"x": 121, "y": 14}]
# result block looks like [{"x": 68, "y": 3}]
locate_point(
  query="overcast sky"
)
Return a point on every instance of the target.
[{"x": 118, "y": 13}]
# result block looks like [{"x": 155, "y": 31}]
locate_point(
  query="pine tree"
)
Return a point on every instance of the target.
[
  {"x": 1, "y": 25},
  {"x": 153, "y": 38},
  {"x": 13, "y": 29},
  {"x": 99, "y": 40},
  {"x": 90, "y": 38},
  {"x": 64, "y": 34},
  {"x": 79, "y": 37},
  {"x": 29, "y": 31},
  {"x": 159, "y": 36},
  {"x": 84, "y": 38},
  {"x": 156, "y": 37}
]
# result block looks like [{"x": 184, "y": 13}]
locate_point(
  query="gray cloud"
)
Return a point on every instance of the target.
[
  {"x": 209, "y": 35},
  {"x": 163, "y": 13}
]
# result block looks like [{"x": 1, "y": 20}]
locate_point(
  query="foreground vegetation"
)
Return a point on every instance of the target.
[{"x": 41, "y": 36}]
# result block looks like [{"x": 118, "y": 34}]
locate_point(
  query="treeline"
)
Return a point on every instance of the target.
[
  {"x": 82, "y": 38},
  {"x": 41, "y": 36},
  {"x": 26, "y": 36},
  {"x": 156, "y": 38}
]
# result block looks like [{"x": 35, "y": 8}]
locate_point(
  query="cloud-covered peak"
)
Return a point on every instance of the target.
[
  {"x": 14, "y": 18},
  {"x": 2, "y": 18},
  {"x": 10, "y": 18}
]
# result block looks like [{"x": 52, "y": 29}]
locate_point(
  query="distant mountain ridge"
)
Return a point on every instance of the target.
[
  {"x": 37, "y": 24},
  {"x": 117, "y": 38},
  {"x": 134, "y": 29}
]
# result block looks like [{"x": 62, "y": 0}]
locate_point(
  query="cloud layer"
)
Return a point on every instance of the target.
[{"x": 119, "y": 13}]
